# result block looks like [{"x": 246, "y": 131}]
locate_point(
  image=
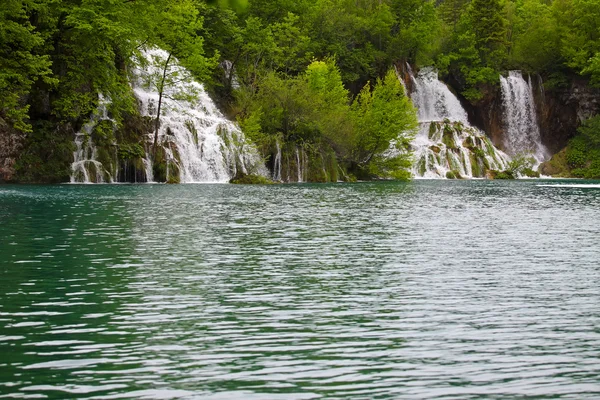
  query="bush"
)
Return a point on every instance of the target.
[
  {"x": 582, "y": 154},
  {"x": 530, "y": 173},
  {"x": 251, "y": 179},
  {"x": 503, "y": 175}
]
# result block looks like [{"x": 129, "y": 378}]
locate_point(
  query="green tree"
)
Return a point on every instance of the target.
[
  {"x": 175, "y": 31},
  {"x": 489, "y": 26},
  {"x": 535, "y": 38},
  {"x": 419, "y": 31},
  {"x": 579, "y": 24},
  {"x": 22, "y": 62},
  {"x": 384, "y": 117},
  {"x": 330, "y": 105}
]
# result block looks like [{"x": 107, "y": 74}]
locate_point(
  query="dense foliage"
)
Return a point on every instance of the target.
[
  {"x": 583, "y": 151},
  {"x": 313, "y": 74}
]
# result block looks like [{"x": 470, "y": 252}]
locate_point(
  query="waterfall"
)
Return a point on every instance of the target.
[
  {"x": 446, "y": 145},
  {"x": 298, "y": 165},
  {"x": 433, "y": 99},
  {"x": 197, "y": 139},
  {"x": 85, "y": 167},
  {"x": 196, "y": 142},
  {"x": 229, "y": 70},
  {"x": 277, "y": 163},
  {"x": 522, "y": 130}
]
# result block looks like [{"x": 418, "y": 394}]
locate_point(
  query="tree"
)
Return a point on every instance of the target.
[
  {"x": 330, "y": 105},
  {"x": 384, "y": 117},
  {"x": 535, "y": 38},
  {"x": 418, "y": 35},
  {"x": 489, "y": 26},
  {"x": 175, "y": 30},
  {"x": 21, "y": 61},
  {"x": 579, "y": 22}
]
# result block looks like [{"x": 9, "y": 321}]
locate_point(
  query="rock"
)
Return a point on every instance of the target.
[{"x": 11, "y": 143}]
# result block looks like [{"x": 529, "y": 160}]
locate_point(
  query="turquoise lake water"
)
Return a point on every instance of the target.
[{"x": 426, "y": 289}]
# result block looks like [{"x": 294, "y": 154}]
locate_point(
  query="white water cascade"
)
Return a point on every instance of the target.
[
  {"x": 277, "y": 163},
  {"x": 196, "y": 137},
  {"x": 433, "y": 99},
  {"x": 198, "y": 143},
  {"x": 446, "y": 145},
  {"x": 522, "y": 130},
  {"x": 85, "y": 167}
]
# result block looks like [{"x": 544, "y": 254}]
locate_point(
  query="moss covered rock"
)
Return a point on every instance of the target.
[{"x": 250, "y": 179}]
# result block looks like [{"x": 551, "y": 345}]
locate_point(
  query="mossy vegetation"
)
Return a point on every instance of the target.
[
  {"x": 251, "y": 179},
  {"x": 503, "y": 175},
  {"x": 448, "y": 137}
]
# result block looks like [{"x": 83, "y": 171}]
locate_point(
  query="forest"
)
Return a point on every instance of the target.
[{"x": 319, "y": 74}]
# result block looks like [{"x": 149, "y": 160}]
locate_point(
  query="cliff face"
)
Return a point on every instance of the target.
[
  {"x": 11, "y": 143},
  {"x": 559, "y": 111}
]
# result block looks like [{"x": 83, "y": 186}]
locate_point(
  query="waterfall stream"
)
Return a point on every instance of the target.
[
  {"x": 85, "y": 167},
  {"x": 433, "y": 99},
  {"x": 446, "y": 145},
  {"x": 277, "y": 163},
  {"x": 522, "y": 130},
  {"x": 197, "y": 142}
]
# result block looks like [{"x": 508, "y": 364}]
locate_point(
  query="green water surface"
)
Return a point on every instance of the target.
[{"x": 427, "y": 289}]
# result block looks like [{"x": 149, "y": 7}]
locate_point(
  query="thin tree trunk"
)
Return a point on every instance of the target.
[{"x": 161, "y": 90}]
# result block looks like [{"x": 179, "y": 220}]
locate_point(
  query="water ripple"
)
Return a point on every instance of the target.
[{"x": 453, "y": 290}]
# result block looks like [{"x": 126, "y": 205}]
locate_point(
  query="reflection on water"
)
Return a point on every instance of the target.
[{"x": 429, "y": 289}]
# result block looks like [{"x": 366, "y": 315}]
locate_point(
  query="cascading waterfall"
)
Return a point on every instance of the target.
[
  {"x": 441, "y": 147},
  {"x": 198, "y": 140},
  {"x": 85, "y": 167},
  {"x": 195, "y": 141},
  {"x": 446, "y": 145},
  {"x": 522, "y": 131}
]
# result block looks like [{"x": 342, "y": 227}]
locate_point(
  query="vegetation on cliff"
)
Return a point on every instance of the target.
[{"x": 581, "y": 158}]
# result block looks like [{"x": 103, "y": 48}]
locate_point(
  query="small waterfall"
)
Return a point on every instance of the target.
[
  {"x": 522, "y": 130},
  {"x": 197, "y": 139},
  {"x": 148, "y": 168},
  {"x": 277, "y": 163},
  {"x": 85, "y": 167},
  {"x": 446, "y": 144},
  {"x": 230, "y": 75},
  {"x": 299, "y": 165}
]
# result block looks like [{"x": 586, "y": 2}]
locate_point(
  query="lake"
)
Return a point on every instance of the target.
[{"x": 426, "y": 289}]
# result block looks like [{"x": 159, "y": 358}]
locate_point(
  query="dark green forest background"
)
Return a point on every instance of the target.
[{"x": 319, "y": 73}]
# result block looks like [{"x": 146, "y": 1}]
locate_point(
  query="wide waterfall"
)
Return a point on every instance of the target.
[
  {"x": 446, "y": 145},
  {"x": 522, "y": 135},
  {"x": 198, "y": 140},
  {"x": 196, "y": 143}
]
